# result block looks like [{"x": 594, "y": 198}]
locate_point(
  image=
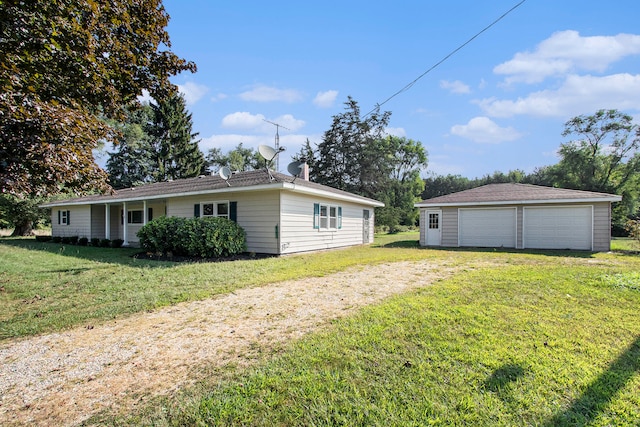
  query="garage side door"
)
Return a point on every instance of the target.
[
  {"x": 558, "y": 227},
  {"x": 489, "y": 228}
]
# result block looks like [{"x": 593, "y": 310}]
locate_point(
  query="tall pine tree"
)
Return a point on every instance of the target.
[
  {"x": 174, "y": 149},
  {"x": 131, "y": 163}
]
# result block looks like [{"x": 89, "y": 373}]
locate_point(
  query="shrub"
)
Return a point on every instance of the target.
[
  {"x": 95, "y": 241},
  {"x": 83, "y": 241},
  {"x": 56, "y": 239},
  {"x": 201, "y": 237},
  {"x": 73, "y": 240},
  {"x": 105, "y": 243},
  {"x": 117, "y": 243},
  {"x": 160, "y": 235},
  {"x": 65, "y": 240},
  {"x": 633, "y": 228},
  {"x": 43, "y": 238}
]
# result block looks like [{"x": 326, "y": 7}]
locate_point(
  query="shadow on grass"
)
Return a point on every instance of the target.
[
  {"x": 401, "y": 244},
  {"x": 597, "y": 396},
  {"x": 501, "y": 379},
  {"x": 122, "y": 256}
]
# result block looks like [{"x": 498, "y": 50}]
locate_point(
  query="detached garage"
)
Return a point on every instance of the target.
[{"x": 518, "y": 216}]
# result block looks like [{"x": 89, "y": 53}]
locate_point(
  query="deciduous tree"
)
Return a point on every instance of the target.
[{"x": 65, "y": 65}]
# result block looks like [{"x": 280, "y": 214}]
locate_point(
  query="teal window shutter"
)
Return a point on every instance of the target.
[
  {"x": 68, "y": 217},
  {"x": 233, "y": 211},
  {"x": 59, "y": 214},
  {"x": 196, "y": 210},
  {"x": 316, "y": 215},
  {"x": 339, "y": 217}
]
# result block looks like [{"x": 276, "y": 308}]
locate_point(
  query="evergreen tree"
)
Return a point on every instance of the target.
[
  {"x": 351, "y": 156},
  {"x": 174, "y": 149},
  {"x": 131, "y": 163}
]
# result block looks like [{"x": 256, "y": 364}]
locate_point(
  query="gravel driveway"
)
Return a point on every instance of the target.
[{"x": 63, "y": 378}]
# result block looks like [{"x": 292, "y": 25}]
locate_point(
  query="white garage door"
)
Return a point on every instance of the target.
[
  {"x": 558, "y": 227},
  {"x": 489, "y": 228}
]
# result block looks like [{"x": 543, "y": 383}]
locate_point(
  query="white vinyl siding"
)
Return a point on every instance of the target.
[
  {"x": 257, "y": 213},
  {"x": 79, "y": 221},
  {"x": 491, "y": 227},
  {"x": 601, "y": 227},
  {"x": 558, "y": 227},
  {"x": 299, "y": 234}
]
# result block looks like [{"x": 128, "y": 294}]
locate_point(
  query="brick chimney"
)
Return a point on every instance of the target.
[{"x": 304, "y": 174}]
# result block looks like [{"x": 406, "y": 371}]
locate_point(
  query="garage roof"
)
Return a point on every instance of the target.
[{"x": 510, "y": 194}]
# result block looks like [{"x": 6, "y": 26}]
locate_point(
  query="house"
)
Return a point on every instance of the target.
[
  {"x": 280, "y": 214},
  {"x": 518, "y": 216}
]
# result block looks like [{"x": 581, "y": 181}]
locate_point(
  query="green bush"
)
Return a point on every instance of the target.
[
  {"x": 105, "y": 243},
  {"x": 117, "y": 243},
  {"x": 73, "y": 240},
  {"x": 95, "y": 241},
  {"x": 56, "y": 239},
  {"x": 201, "y": 237},
  {"x": 43, "y": 238},
  {"x": 83, "y": 241}
]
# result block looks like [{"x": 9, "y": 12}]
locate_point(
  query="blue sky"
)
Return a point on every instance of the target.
[{"x": 498, "y": 104}]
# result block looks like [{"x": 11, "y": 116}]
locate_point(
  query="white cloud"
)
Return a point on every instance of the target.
[
  {"x": 262, "y": 93},
  {"x": 258, "y": 122},
  {"x": 192, "y": 92},
  {"x": 485, "y": 130},
  {"x": 145, "y": 97},
  {"x": 577, "y": 95},
  {"x": 242, "y": 120},
  {"x": 325, "y": 99},
  {"x": 455, "y": 86},
  {"x": 567, "y": 52}
]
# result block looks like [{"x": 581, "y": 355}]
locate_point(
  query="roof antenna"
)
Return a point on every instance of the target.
[{"x": 277, "y": 144}]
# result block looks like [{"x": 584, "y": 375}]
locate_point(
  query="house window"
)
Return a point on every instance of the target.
[
  {"x": 327, "y": 217},
  {"x": 220, "y": 209},
  {"x": 333, "y": 217},
  {"x": 64, "y": 217},
  {"x": 134, "y": 217},
  {"x": 434, "y": 221}
]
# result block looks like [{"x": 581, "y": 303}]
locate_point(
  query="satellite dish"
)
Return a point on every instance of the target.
[
  {"x": 295, "y": 168},
  {"x": 269, "y": 153},
  {"x": 225, "y": 173}
]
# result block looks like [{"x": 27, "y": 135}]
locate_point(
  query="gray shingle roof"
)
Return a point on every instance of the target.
[
  {"x": 516, "y": 194},
  {"x": 210, "y": 184}
]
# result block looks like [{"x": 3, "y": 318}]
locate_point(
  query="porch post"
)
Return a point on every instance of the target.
[
  {"x": 124, "y": 222},
  {"x": 145, "y": 213},
  {"x": 107, "y": 221}
]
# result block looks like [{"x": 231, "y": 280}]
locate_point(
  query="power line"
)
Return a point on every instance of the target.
[{"x": 453, "y": 52}]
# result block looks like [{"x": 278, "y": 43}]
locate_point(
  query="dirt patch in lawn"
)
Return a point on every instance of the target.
[{"x": 64, "y": 378}]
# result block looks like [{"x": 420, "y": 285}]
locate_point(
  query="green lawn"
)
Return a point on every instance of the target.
[{"x": 514, "y": 338}]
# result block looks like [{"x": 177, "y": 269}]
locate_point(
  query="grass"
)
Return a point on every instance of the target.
[
  {"x": 47, "y": 287},
  {"x": 625, "y": 244},
  {"x": 514, "y": 338}
]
